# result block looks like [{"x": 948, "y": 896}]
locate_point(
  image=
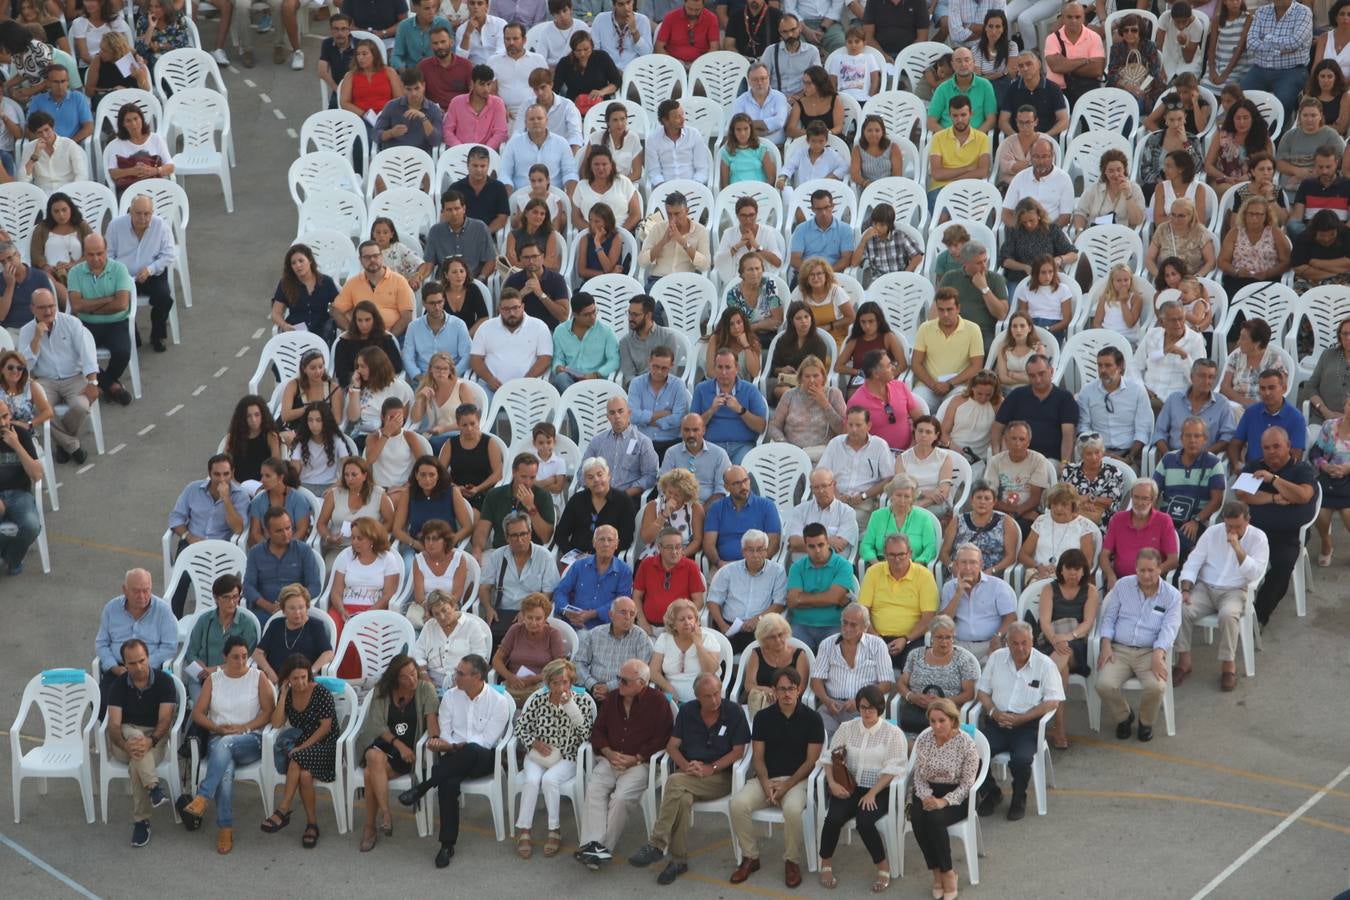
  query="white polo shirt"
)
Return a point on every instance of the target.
[
  {"x": 513, "y": 77},
  {"x": 510, "y": 354},
  {"x": 486, "y": 42},
  {"x": 1054, "y": 191},
  {"x": 1017, "y": 690}
]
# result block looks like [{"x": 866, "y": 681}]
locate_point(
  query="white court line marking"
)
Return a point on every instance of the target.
[
  {"x": 242, "y": 352},
  {"x": 60, "y": 484},
  {"x": 85, "y": 468},
  {"x": 259, "y": 333},
  {"x": 198, "y": 391},
  {"x": 249, "y": 83},
  {"x": 263, "y": 97},
  {"x": 278, "y": 113},
  {"x": 55, "y": 873},
  {"x": 292, "y": 134},
  {"x": 118, "y": 449},
  {"x": 174, "y": 410},
  {"x": 1271, "y": 835},
  {"x": 221, "y": 371},
  {"x": 146, "y": 430}
]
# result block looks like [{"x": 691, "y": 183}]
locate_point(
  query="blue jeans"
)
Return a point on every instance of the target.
[
  {"x": 1283, "y": 83},
  {"x": 21, "y": 510},
  {"x": 736, "y": 450},
  {"x": 223, "y": 754},
  {"x": 7, "y": 160},
  {"x": 812, "y": 635}
]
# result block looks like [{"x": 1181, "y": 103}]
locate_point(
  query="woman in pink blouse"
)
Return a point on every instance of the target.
[
  {"x": 888, "y": 401},
  {"x": 946, "y": 763}
]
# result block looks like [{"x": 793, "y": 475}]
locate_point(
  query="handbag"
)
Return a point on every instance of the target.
[
  {"x": 839, "y": 769},
  {"x": 544, "y": 760},
  {"x": 1134, "y": 72}
]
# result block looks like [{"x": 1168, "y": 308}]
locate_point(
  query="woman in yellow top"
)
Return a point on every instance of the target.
[{"x": 920, "y": 526}]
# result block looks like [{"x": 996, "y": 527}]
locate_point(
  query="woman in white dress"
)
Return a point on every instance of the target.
[
  {"x": 930, "y": 465},
  {"x": 969, "y": 418},
  {"x": 1060, "y": 528},
  {"x": 683, "y": 651}
]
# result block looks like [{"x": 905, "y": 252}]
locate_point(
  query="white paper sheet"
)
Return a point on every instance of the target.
[{"x": 1247, "y": 483}]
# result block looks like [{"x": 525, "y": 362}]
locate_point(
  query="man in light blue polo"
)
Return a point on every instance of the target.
[
  {"x": 629, "y": 452},
  {"x": 584, "y": 349},
  {"x": 69, "y": 110},
  {"x": 822, "y": 235},
  {"x": 708, "y": 462},
  {"x": 732, "y": 408},
  {"x": 659, "y": 401},
  {"x": 1201, "y": 400},
  {"x": 766, "y": 107},
  {"x": 434, "y": 332},
  {"x": 537, "y": 145},
  {"x": 982, "y": 606},
  {"x": 1116, "y": 408},
  {"x": 819, "y": 586},
  {"x": 731, "y": 517},
  {"x": 214, "y": 508},
  {"x": 279, "y": 560}
]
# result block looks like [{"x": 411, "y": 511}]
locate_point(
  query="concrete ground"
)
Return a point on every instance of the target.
[{"x": 1247, "y": 801}]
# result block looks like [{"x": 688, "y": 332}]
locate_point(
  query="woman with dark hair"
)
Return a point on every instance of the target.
[
  {"x": 536, "y": 230},
  {"x": 49, "y": 16},
  {"x": 870, "y": 331},
  {"x": 994, "y": 532},
  {"x": 439, "y": 571},
  {"x": 873, "y": 752},
  {"x": 1113, "y": 194},
  {"x": 354, "y": 496},
  {"x": 279, "y": 482},
  {"x": 1326, "y": 390},
  {"x": 27, "y": 58},
  {"x": 1172, "y": 270},
  {"x": 1263, "y": 184},
  {"x": 374, "y": 380},
  {"x": 875, "y": 156},
  {"x": 159, "y": 28},
  {"x": 317, "y": 447},
  {"x": 403, "y": 708},
  {"x": 251, "y": 437},
  {"x": 306, "y": 747},
  {"x": 138, "y": 153},
  {"x": 1226, "y": 53},
  {"x": 1134, "y": 64},
  {"x": 797, "y": 342},
  {"x": 1066, "y": 614},
  {"x": 58, "y": 240},
  {"x": 1334, "y": 44},
  {"x": 391, "y": 448},
  {"x": 600, "y": 250},
  {"x": 1032, "y": 236},
  {"x": 602, "y": 185},
  {"x": 1241, "y": 133},
  {"x": 365, "y": 330},
  {"x": 86, "y": 32},
  {"x": 993, "y": 51},
  {"x": 473, "y": 459},
  {"x": 1326, "y": 84},
  {"x": 1178, "y": 182},
  {"x": 430, "y": 495},
  {"x": 756, "y": 296},
  {"x": 463, "y": 298},
  {"x": 745, "y": 156},
  {"x": 882, "y": 248},
  {"x": 23, "y": 395},
  {"x": 624, "y": 145},
  {"x": 586, "y": 76},
  {"x": 369, "y": 84},
  {"x": 398, "y": 256},
  {"x": 1172, "y": 138},
  {"x": 818, "y": 103},
  {"x": 1252, "y": 356},
  {"x": 312, "y": 384},
  {"x": 303, "y": 295},
  {"x": 1256, "y": 248}
]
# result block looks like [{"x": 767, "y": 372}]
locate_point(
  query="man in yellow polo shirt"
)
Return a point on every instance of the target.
[
  {"x": 948, "y": 350},
  {"x": 957, "y": 152},
  {"x": 901, "y": 597},
  {"x": 379, "y": 284}
]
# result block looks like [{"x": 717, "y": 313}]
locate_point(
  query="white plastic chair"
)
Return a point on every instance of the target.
[
  {"x": 321, "y": 171},
  {"x": 111, "y": 768},
  {"x": 654, "y": 78},
  {"x": 905, "y": 195},
  {"x": 63, "y": 702},
  {"x": 1103, "y": 109},
  {"x": 340, "y": 131},
  {"x": 1084, "y": 156},
  {"x": 95, "y": 408},
  {"x": 197, "y": 114},
  {"x": 134, "y": 364},
  {"x": 969, "y": 199},
  {"x": 904, "y": 298},
  {"x": 1169, "y": 699},
  {"x": 1272, "y": 301},
  {"x": 967, "y": 831},
  {"x": 412, "y": 212},
  {"x": 1106, "y": 246},
  {"x": 346, "y": 705},
  {"x": 1272, "y": 110},
  {"x": 186, "y": 68},
  {"x": 612, "y": 293},
  {"x": 283, "y": 351},
  {"x": 453, "y": 164},
  {"x": 203, "y": 562},
  {"x": 913, "y": 59},
  {"x": 720, "y": 74},
  {"x": 353, "y": 778},
  {"x": 773, "y": 815},
  {"x": 584, "y": 403},
  {"x": 1324, "y": 307},
  {"x": 704, "y": 115},
  {"x": 171, "y": 204},
  {"x": 525, "y": 402},
  {"x": 1302, "y": 568},
  {"x": 686, "y": 298},
  {"x": 21, "y": 206},
  {"x": 902, "y": 112},
  {"x": 490, "y": 787},
  {"x": 400, "y": 167},
  {"x": 106, "y": 117},
  {"x": 378, "y": 636},
  {"x": 333, "y": 209},
  {"x": 1079, "y": 353},
  {"x": 1042, "y": 766},
  {"x": 779, "y": 472},
  {"x": 96, "y": 202},
  {"x": 333, "y": 251}
]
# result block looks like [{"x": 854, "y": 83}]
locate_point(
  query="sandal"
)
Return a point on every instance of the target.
[
  {"x": 524, "y": 847},
  {"x": 368, "y": 839},
  {"x": 553, "y": 844},
  {"x": 276, "y": 821},
  {"x": 387, "y": 826},
  {"x": 310, "y": 837},
  {"x": 827, "y": 879},
  {"x": 1060, "y": 743},
  {"x": 881, "y": 883}
]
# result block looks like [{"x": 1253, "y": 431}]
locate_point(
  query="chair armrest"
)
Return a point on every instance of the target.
[{"x": 740, "y": 771}]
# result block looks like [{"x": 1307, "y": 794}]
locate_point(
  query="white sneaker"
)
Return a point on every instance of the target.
[
  {"x": 298, "y": 60},
  {"x": 220, "y": 56}
]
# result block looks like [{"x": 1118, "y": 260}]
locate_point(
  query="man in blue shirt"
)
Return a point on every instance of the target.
[
  {"x": 434, "y": 332},
  {"x": 708, "y": 462},
  {"x": 1271, "y": 411},
  {"x": 590, "y": 585},
  {"x": 214, "y": 508},
  {"x": 278, "y": 561},
  {"x": 731, "y": 517},
  {"x": 732, "y": 409},
  {"x": 658, "y": 401},
  {"x": 1200, "y": 399},
  {"x": 537, "y": 145},
  {"x": 138, "y": 613},
  {"x": 69, "y": 110},
  {"x": 822, "y": 235},
  {"x": 1115, "y": 407}
]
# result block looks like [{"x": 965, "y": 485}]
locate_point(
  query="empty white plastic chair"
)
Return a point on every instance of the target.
[
  {"x": 525, "y": 402},
  {"x": 197, "y": 115},
  {"x": 719, "y": 73},
  {"x": 584, "y": 403},
  {"x": 654, "y": 78},
  {"x": 21, "y": 206},
  {"x": 63, "y": 697},
  {"x": 338, "y": 130},
  {"x": 400, "y": 167},
  {"x": 612, "y": 293}
]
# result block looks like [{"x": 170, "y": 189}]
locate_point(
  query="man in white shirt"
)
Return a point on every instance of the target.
[
  {"x": 1017, "y": 686},
  {"x": 563, "y": 118},
  {"x": 790, "y": 57},
  {"x": 747, "y": 589},
  {"x": 53, "y": 161},
  {"x": 675, "y": 150},
  {"x": 474, "y": 718},
  {"x": 766, "y": 107},
  {"x": 513, "y": 65},
  {"x": 481, "y": 36},
  {"x": 1228, "y": 558},
  {"x": 748, "y": 236},
  {"x": 64, "y": 363},
  {"x": 553, "y": 39},
  {"x": 821, "y": 22},
  {"x": 861, "y": 462},
  {"x": 624, "y": 34},
  {"x": 513, "y": 345},
  {"x": 825, "y": 507},
  {"x": 1044, "y": 181},
  {"x": 1165, "y": 354}
]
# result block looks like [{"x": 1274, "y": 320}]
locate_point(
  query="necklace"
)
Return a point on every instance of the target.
[{"x": 290, "y": 644}]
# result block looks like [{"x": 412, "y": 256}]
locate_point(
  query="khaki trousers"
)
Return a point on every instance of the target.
[
  {"x": 671, "y": 831},
  {"x": 70, "y": 391},
  {"x": 143, "y": 774},
  {"x": 1228, "y": 603},
  {"x": 1130, "y": 662},
  {"x": 750, "y": 799},
  {"x": 608, "y": 793}
]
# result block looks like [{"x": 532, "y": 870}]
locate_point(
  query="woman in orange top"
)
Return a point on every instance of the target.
[{"x": 370, "y": 84}]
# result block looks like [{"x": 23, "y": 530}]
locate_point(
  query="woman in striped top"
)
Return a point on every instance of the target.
[{"x": 946, "y": 764}]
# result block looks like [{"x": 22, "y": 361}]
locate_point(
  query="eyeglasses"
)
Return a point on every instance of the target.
[
  {"x": 1130, "y": 29},
  {"x": 460, "y": 673},
  {"x": 15, "y": 367},
  {"x": 625, "y": 680},
  {"x": 866, "y": 707}
]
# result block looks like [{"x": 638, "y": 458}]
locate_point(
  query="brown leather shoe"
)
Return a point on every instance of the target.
[
  {"x": 792, "y": 874},
  {"x": 1179, "y": 675},
  {"x": 747, "y": 868},
  {"x": 1227, "y": 681}
]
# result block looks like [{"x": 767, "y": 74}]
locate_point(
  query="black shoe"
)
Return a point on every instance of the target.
[
  {"x": 671, "y": 872},
  {"x": 60, "y": 455},
  {"x": 1123, "y": 728},
  {"x": 140, "y": 834},
  {"x": 1145, "y": 732},
  {"x": 1017, "y": 807},
  {"x": 646, "y": 855},
  {"x": 157, "y": 344},
  {"x": 78, "y": 455},
  {"x": 443, "y": 856},
  {"x": 986, "y": 805},
  {"x": 119, "y": 395},
  {"x": 413, "y": 794}
]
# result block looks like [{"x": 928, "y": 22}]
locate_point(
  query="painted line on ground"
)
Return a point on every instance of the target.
[
  {"x": 242, "y": 352},
  {"x": 221, "y": 371},
  {"x": 259, "y": 333},
  {"x": 84, "y": 468},
  {"x": 173, "y": 411},
  {"x": 278, "y": 113},
  {"x": 199, "y": 390},
  {"x": 292, "y": 134},
  {"x": 24, "y": 737},
  {"x": 49, "y": 869},
  {"x": 95, "y": 545},
  {"x": 118, "y": 449},
  {"x": 249, "y": 82},
  {"x": 146, "y": 430},
  {"x": 1194, "y": 801},
  {"x": 263, "y": 97},
  {"x": 1270, "y": 836}
]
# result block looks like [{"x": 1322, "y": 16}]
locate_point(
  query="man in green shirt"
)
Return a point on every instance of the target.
[
  {"x": 521, "y": 494},
  {"x": 820, "y": 585},
  {"x": 583, "y": 349},
  {"x": 983, "y": 292},
  {"x": 101, "y": 295},
  {"x": 983, "y": 102}
]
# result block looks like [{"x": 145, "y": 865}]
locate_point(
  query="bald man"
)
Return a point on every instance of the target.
[
  {"x": 964, "y": 81},
  {"x": 629, "y": 452},
  {"x": 101, "y": 292},
  {"x": 136, "y": 613},
  {"x": 143, "y": 242},
  {"x": 590, "y": 585}
]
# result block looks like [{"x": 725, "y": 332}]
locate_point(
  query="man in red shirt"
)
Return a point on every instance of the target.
[
  {"x": 446, "y": 72},
  {"x": 665, "y": 577},
  {"x": 688, "y": 33}
]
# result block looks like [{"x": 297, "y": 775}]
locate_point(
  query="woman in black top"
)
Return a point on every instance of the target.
[
  {"x": 307, "y": 745},
  {"x": 293, "y": 631},
  {"x": 366, "y": 330},
  {"x": 303, "y": 295},
  {"x": 463, "y": 299},
  {"x": 587, "y": 510},
  {"x": 536, "y": 230},
  {"x": 1067, "y": 610},
  {"x": 473, "y": 459},
  {"x": 104, "y": 76},
  {"x": 251, "y": 438},
  {"x": 819, "y": 102},
  {"x": 586, "y": 76}
]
